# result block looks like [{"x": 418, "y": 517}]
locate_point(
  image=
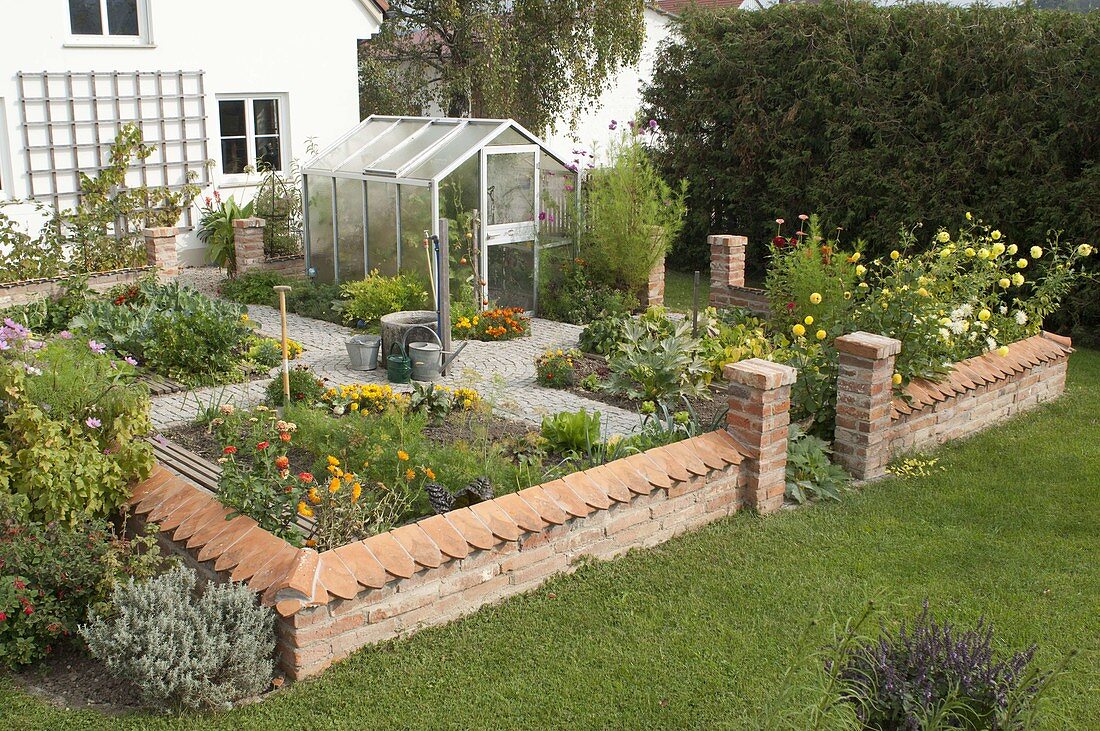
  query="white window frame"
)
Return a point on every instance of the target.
[
  {"x": 144, "y": 38},
  {"x": 283, "y": 101}
]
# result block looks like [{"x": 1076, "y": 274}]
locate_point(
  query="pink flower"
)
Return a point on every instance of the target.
[
  {"x": 613, "y": 126},
  {"x": 542, "y": 216},
  {"x": 653, "y": 124},
  {"x": 65, "y": 335},
  {"x": 780, "y": 221},
  {"x": 97, "y": 348},
  {"x": 803, "y": 217},
  {"x": 569, "y": 189},
  {"x": 93, "y": 423},
  {"x": 131, "y": 360}
]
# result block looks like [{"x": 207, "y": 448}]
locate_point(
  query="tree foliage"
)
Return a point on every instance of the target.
[
  {"x": 878, "y": 117},
  {"x": 535, "y": 61}
]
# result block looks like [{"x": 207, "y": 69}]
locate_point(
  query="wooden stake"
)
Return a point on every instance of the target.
[{"x": 282, "y": 289}]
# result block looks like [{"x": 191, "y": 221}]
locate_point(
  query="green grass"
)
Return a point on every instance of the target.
[
  {"x": 697, "y": 633},
  {"x": 678, "y": 290}
]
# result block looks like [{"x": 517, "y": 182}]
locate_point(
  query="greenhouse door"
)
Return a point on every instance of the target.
[{"x": 509, "y": 199}]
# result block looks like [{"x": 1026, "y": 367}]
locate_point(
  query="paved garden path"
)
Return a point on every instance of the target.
[{"x": 503, "y": 372}]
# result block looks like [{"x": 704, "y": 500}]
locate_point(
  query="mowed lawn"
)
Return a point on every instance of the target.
[{"x": 697, "y": 633}]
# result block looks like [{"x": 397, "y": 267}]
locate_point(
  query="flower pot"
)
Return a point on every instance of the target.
[{"x": 363, "y": 352}]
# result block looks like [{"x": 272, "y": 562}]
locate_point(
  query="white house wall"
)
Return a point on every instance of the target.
[
  {"x": 621, "y": 101},
  {"x": 303, "y": 50}
]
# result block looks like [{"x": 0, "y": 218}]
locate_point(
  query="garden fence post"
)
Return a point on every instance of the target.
[
  {"x": 758, "y": 420},
  {"x": 160, "y": 250},
  {"x": 282, "y": 289},
  {"x": 864, "y": 403},
  {"x": 443, "y": 272}
]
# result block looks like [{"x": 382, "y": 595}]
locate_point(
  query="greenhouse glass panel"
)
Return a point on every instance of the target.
[
  {"x": 510, "y": 137},
  {"x": 511, "y": 275},
  {"x": 332, "y": 159},
  {"x": 321, "y": 257},
  {"x": 558, "y": 194},
  {"x": 467, "y": 142},
  {"x": 398, "y": 157},
  {"x": 511, "y": 188},
  {"x": 382, "y": 228},
  {"x": 416, "y": 218},
  {"x": 349, "y": 229},
  {"x": 367, "y": 157}
]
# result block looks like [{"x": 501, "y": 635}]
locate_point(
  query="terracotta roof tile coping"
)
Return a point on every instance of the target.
[
  {"x": 983, "y": 370},
  {"x": 292, "y": 579}
]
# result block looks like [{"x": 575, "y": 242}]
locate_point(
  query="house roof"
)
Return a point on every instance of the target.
[{"x": 675, "y": 7}]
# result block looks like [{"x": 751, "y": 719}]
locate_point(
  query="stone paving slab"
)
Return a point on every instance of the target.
[{"x": 503, "y": 372}]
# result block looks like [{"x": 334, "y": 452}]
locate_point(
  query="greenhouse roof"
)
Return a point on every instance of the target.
[{"x": 416, "y": 150}]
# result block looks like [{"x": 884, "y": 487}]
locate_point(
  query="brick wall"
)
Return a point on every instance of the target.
[
  {"x": 875, "y": 424},
  {"x": 440, "y": 568},
  {"x": 32, "y": 290},
  {"x": 654, "y": 292},
  {"x": 727, "y": 275}
]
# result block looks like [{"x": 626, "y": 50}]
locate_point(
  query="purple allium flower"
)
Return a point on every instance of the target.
[
  {"x": 653, "y": 124},
  {"x": 93, "y": 423},
  {"x": 97, "y": 348}
]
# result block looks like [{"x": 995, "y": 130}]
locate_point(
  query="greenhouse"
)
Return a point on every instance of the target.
[{"x": 377, "y": 196}]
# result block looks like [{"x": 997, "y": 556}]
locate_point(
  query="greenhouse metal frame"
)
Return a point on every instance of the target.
[{"x": 375, "y": 199}]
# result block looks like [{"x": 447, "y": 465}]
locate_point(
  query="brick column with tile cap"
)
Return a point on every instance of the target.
[
  {"x": 759, "y": 415},
  {"x": 863, "y": 405},
  {"x": 248, "y": 243},
  {"x": 727, "y": 266},
  {"x": 160, "y": 249}
]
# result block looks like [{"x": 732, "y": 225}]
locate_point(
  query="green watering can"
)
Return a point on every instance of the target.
[{"x": 399, "y": 366}]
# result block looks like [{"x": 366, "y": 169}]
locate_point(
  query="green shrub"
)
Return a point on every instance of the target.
[
  {"x": 810, "y": 474},
  {"x": 255, "y": 288},
  {"x": 578, "y": 299},
  {"x": 842, "y": 108},
  {"x": 649, "y": 367},
  {"x": 554, "y": 368},
  {"x": 50, "y": 315},
  {"x": 633, "y": 216},
  {"x": 215, "y": 229},
  {"x": 316, "y": 300},
  {"x": 182, "y": 651},
  {"x": 304, "y": 387},
  {"x": 377, "y": 295},
  {"x": 604, "y": 334},
  {"x": 70, "y": 442},
  {"x": 51, "y": 574}
]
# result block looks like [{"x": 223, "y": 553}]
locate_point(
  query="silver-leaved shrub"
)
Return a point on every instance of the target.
[{"x": 182, "y": 650}]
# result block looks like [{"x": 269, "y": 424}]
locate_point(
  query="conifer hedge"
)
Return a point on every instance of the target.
[{"x": 880, "y": 118}]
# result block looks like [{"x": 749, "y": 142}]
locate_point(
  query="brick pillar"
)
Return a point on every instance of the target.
[
  {"x": 160, "y": 249},
  {"x": 760, "y": 402},
  {"x": 863, "y": 410},
  {"x": 654, "y": 293},
  {"x": 727, "y": 267},
  {"x": 248, "y": 243}
]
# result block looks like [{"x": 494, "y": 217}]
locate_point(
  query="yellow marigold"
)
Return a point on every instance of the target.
[
  {"x": 820, "y": 334},
  {"x": 1018, "y": 279},
  {"x": 334, "y": 485},
  {"x": 429, "y": 472},
  {"x": 853, "y": 258},
  {"x": 861, "y": 270},
  {"x": 1002, "y": 351},
  {"x": 983, "y": 253},
  {"x": 1036, "y": 252},
  {"x": 815, "y": 298},
  {"x": 1084, "y": 250},
  {"x": 403, "y": 455},
  {"x": 998, "y": 249},
  {"x": 896, "y": 378},
  {"x": 995, "y": 235},
  {"x": 970, "y": 251},
  {"x": 943, "y": 237},
  {"x": 356, "y": 491},
  {"x": 1004, "y": 282},
  {"x": 923, "y": 292},
  {"x": 1021, "y": 264},
  {"x": 313, "y": 496},
  {"x": 333, "y": 462},
  {"x": 895, "y": 254},
  {"x": 1012, "y": 249},
  {"x": 304, "y": 510},
  {"x": 410, "y": 474},
  {"x": 798, "y": 330},
  {"x": 809, "y": 320},
  {"x": 984, "y": 315}
]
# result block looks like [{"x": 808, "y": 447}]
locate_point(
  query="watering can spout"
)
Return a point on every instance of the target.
[{"x": 454, "y": 354}]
